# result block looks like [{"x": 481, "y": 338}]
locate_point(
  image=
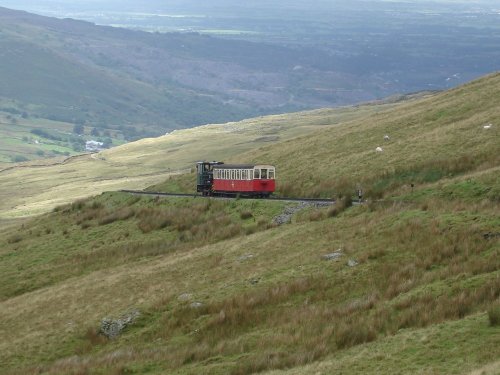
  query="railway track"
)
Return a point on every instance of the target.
[{"x": 298, "y": 200}]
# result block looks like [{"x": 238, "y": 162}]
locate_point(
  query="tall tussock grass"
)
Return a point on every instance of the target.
[
  {"x": 378, "y": 184},
  {"x": 116, "y": 215},
  {"x": 308, "y": 318},
  {"x": 314, "y": 325},
  {"x": 417, "y": 267},
  {"x": 494, "y": 314},
  {"x": 114, "y": 228},
  {"x": 308, "y": 333}
]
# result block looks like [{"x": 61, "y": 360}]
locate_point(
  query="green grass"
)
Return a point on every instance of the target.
[
  {"x": 150, "y": 161},
  {"x": 423, "y": 297},
  {"x": 425, "y": 146},
  {"x": 451, "y": 347},
  {"x": 17, "y": 139},
  {"x": 418, "y": 269},
  {"x": 117, "y": 228}
]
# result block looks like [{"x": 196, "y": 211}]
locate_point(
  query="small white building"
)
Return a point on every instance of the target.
[{"x": 94, "y": 146}]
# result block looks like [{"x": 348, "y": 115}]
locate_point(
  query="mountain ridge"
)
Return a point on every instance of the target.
[{"x": 159, "y": 78}]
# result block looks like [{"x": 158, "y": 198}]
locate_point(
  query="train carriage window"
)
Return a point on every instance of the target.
[
  {"x": 271, "y": 174},
  {"x": 263, "y": 174},
  {"x": 238, "y": 174},
  {"x": 256, "y": 173},
  {"x": 232, "y": 174}
]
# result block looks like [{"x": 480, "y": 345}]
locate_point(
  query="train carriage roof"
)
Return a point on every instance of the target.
[{"x": 242, "y": 166}]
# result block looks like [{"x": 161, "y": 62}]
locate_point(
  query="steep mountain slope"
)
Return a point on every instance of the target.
[
  {"x": 146, "y": 162},
  {"x": 44, "y": 67},
  {"x": 75, "y": 71},
  {"x": 408, "y": 284},
  {"x": 440, "y": 135}
]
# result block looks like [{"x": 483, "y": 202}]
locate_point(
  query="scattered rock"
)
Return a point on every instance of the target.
[
  {"x": 333, "y": 256},
  {"x": 490, "y": 235},
  {"x": 254, "y": 281},
  {"x": 222, "y": 315},
  {"x": 245, "y": 257},
  {"x": 196, "y": 305},
  {"x": 112, "y": 328},
  {"x": 379, "y": 149},
  {"x": 487, "y": 126},
  {"x": 185, "y": 297},
  {"x": 352, "y": 263},
  {"x": 288, "y": 212},
  {"x": 386, "y": 138}
]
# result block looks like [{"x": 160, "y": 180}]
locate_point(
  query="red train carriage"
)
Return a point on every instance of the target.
[
  {"x": 233, "y": 179},
  {"x": 244, "y": 179}
]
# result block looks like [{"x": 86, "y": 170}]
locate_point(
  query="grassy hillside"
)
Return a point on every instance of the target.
[
  {"x": 23, "y": 138},
  {"x": 219, "y": 293},
  {"x": 140, "y": 164},
  {"x": 217, "y": 288},
  {"x": 436, "y": 137}
]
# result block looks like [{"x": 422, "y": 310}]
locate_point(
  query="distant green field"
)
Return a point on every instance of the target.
[{"x": 19, "y": 140}]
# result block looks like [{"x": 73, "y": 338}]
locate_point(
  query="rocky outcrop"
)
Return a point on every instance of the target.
[{"x": 112, "y": 328}]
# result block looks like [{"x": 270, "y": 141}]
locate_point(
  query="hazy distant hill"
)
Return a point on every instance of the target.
[
  {"x": 272, "y": 59},
  {"x": 74, "y": 71},
  {"x": 66, "y": 70}
]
